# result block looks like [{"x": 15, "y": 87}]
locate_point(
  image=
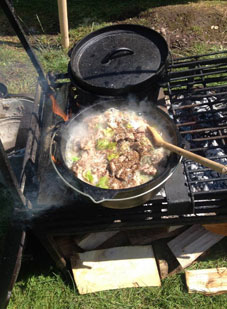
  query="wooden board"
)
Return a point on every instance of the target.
[
  {"x": 189, "y": 245},
  {"x": 207, "y": 281},
  {"x": 118, "y": 240},
  {"x": 66, "y": 245},
  {"x": 220, "y": 228},
  {"x": 115, "y": 268},
  {"x": 147, "y": 236},
  {"x": 93, "y": 240},
  {"x": 166, "y": 261}
]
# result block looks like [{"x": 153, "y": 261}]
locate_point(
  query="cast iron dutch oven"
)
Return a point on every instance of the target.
[
  {"x": 122, "y": 198},
  {"x": 119, "y": 60}
]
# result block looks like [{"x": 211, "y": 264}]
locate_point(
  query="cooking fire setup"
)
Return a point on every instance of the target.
[{"x": 119, "y": 67}]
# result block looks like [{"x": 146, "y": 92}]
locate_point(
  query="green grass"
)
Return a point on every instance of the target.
[
  {"x": 47, "y": 289},
  {"x": 200, "y": 48},
  {"x": 18, "y": 73},
  {"x": 16, "y": 70}
]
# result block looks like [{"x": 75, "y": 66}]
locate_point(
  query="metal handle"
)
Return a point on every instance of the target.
[{"x": 121, "y": 51}]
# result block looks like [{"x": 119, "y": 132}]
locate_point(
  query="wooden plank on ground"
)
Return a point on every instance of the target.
[
  {"x": 189, "y": 245},
  {"x": 147, "y": 236},
  {"x": 207, "y": 281},
  {"x": 220, "y": 228},
  {"x": 166, "y": 261},
  {"x": 115, "y": 268},
  {"x": 66, "y": 245},
  {"x": 93, "y": 240},
  {"x": 118, "y": 240}
]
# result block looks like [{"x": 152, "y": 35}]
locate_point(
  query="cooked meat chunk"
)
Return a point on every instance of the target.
[
  {"x": 115, "y": 152},
  {"x": 124, "y": 166},
  {"x": 148, "y": 169},
  {"x": 125, "y": 146},
  {"x": 129, "y": 136},
  {"x": 141, "y": 129},
  {"x": 116, "y": 184},
  {"x": 119, "y": 135}
]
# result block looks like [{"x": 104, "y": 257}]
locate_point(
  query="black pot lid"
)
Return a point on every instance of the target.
[{"x": 118, "y": 57}]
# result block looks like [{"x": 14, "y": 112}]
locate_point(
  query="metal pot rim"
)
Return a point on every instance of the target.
[
  {"x": 154, "y": 183},
  {"x": 113, "y": 199}
]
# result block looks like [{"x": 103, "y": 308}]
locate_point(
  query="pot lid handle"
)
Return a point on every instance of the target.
[{"x": 116, "y": 53}]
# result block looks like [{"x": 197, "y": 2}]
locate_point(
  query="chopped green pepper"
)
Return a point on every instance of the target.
[
  {"x": 112, "y": 145},
  {"x": 103, "y": 183},
  {"x": 75, "y": 159},
  {"x": 102, "y": 144},
  {"x": 112, "y": 156},
  {"x": 88, "y": 176},
  {"x": 108, "y": 132},
  {"x": 129, "y": 126}
]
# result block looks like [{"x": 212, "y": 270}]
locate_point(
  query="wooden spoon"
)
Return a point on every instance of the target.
[{"x": 159, "y": 141}]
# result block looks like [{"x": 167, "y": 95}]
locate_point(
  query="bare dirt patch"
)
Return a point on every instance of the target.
[{"x": 184, "y": 26}]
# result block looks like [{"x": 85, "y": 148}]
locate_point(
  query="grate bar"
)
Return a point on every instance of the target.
[
  {"x": 185, "y": 83},
  {"x": 194, "y": 75},
  {"x": 208, "y": 138},
  {"x": 195, "y": 60},
  {"x": 203, "y": 130},
  {"x": 189, "y": 106}
]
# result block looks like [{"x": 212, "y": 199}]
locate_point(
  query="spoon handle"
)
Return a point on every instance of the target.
[{"x": 220, "y": 168}]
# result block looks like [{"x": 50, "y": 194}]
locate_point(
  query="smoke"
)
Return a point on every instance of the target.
[
  {"x": 77, "y": 128},
  {"x": 52, "y": 192}
]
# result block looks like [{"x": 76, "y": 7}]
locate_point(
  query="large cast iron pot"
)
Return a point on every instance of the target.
[
  {"x": 119, "y": 60},
  {"x": 122, "y": 198}
]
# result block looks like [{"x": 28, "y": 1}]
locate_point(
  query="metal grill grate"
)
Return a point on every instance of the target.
[
  {"x": 196, "y": 96},
  {"x": 197, "y": 89}
]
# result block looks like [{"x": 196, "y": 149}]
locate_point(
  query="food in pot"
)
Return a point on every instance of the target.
[{"x": 112, "y": 151}]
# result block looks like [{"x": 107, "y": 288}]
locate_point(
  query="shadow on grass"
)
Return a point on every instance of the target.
[
  {"x": 13, "y": 44},
  {"x": 217, "y": 253},
  {"x": 37, "y": 262},
  {"x": 41, "y": 16}
]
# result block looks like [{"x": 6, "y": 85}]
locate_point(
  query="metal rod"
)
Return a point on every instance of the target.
[
  {"x": 203, "y": 130},
  {"x": 202, "y": 61},
  {"x": 210, "y": 72},
  {"x": 196, "y": 72},
  {"x": 8, "y": 10},
  {"x": 63, "y": 19},
  {"x": 189, "y": 106}
]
